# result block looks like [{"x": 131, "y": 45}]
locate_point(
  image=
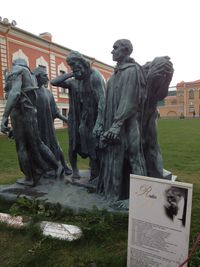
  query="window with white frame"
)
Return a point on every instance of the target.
[
  {"x": 191, "y": 94},
  {"x": 180, "y": 93},
  {"x": 20, "y": 54},
  {"x": 41, "y": 62},
  {"x": 191, "y": 108},
  {"x": 61, "y": 70}
]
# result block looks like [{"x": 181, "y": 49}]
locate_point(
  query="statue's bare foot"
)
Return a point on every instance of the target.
[
  {"x": 120, "y": 204},
  {"x": 68, "y": 171},
  {"x": 59, "y": 173},
  {"x": 94, "y": 181},
  {"x": 36, "y": 180},
  {"x": 25, "y": 181},
  {"x": 49, "y": 175},
  {"x": 76, "y": 175},
  {"x": 93, "y": 177}
]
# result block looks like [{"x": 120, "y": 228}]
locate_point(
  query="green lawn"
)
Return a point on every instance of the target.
[
  {"x": 179, "y": 141},
  {"x": 105, "y": 235},
  {"x": 9, "y": 168}
]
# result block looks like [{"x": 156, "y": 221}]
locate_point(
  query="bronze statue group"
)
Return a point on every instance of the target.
[{"x": 113, "y": 124}]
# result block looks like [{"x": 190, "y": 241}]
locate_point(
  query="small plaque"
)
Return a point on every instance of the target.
[{"x": 61, "y": 231}]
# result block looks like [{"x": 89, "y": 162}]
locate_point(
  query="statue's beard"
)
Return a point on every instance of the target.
[{"x": 46, "y": 85}]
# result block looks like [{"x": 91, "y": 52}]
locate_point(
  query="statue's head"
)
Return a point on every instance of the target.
[
  {"x": 122, "y": 49},
  {"x": 41, "y": 76},
  {"x": 20, "y": 61},
  {"x": 78, "y": 64}
]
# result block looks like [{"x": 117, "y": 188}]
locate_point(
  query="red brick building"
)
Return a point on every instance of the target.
[{"x": 38, "y": 51}]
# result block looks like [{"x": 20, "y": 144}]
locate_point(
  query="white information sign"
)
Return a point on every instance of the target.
[{"x": 159, "y": 222}]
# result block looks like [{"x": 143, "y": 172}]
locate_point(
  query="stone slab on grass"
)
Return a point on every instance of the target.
[
  {"x": 55, "y": 230},
  {"x": 14, "y": 221},
  {"x": 61, "y": 231}
]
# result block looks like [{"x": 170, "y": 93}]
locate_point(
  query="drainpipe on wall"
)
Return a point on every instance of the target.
[
  {"x": 185, "y": 102},
  {"x": 7, "y": 45}
]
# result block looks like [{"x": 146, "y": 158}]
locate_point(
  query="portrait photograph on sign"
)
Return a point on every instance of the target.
[{"x": 176, "y": 204}]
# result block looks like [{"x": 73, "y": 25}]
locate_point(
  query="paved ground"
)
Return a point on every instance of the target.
[{"x": 75, "y": 194}]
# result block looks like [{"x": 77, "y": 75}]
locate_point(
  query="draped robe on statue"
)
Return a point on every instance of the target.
[
  {"x": 85, "y": 112},
  {"x": 35, "y": 158},
  {"x": 47, "y": 111},
  {"x": 124, "y": 105}
]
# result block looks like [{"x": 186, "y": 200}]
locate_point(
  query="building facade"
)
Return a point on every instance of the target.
[
  {"x": 183, "y": 101},
  {"x": 38, "y": 51}
]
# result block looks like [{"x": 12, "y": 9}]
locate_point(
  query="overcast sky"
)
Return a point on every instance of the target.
[{"x": 155, "y": 27}]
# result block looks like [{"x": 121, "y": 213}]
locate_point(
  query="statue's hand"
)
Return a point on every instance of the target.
[
  {"x": 112, "y": 135},
  {"x": 63, "y": 118},
  {"x": 11, "y": 134},
  {"x": 97, "y": 131},
  {"x": 4, "y": 125}
]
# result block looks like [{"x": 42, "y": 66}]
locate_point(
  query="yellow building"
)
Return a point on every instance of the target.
[{"x": 182, "y": 101}]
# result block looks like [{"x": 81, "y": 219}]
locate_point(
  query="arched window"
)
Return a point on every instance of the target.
[
  {"x": 41, "y": 62},
  {"x": 20, "y": 54},
  {"x": 191, "y": 94},
  {"x": 62, "y": 69},
  {"x": 191, "y": 108}
]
